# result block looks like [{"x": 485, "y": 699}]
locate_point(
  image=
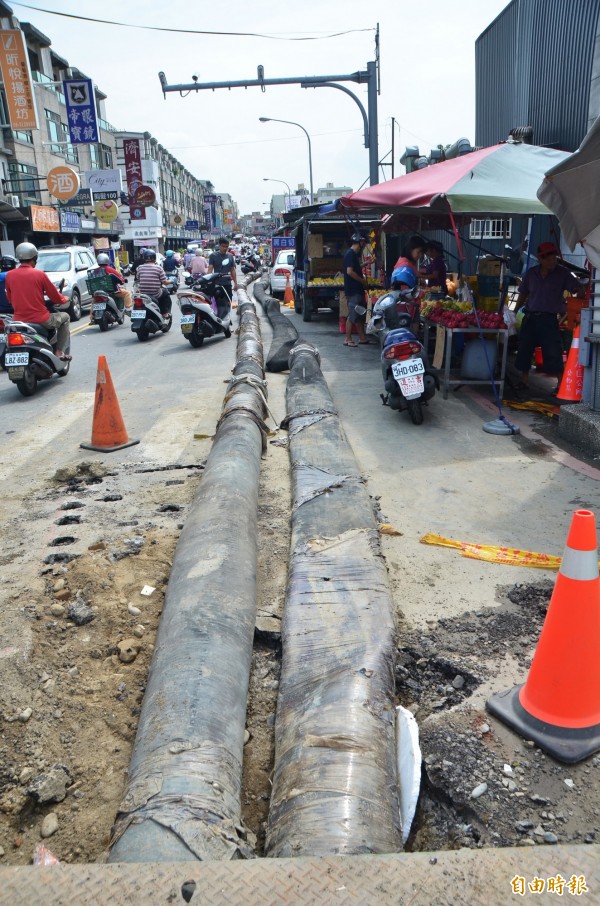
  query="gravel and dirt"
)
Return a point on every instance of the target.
[{"x": 80, "y": 545}]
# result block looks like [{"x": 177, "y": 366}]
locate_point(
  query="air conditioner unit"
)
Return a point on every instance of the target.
[{"x": 13, "y": 200}]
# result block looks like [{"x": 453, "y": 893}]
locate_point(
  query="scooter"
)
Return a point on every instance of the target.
[
  {"x": 251, "y": 264},
  {"x": 408, "y": 380},
  {"x": 205, "y": 309},
  {"x": 147, "y": 318},
  {"x": 30, "y": 355},
  {"x": 105, "y": 310},
  {"x": 5, "y": 319},
  {"x": 172, "y": 282}
]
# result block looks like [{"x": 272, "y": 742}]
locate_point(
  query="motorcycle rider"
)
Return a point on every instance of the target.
[
  {"x": 7, "y": 263},
  {"x": 25, "y": 289},
  {"x": 119, "y": 283},
  {"x": 188, "y": 257},
  {"x": 152, "y": 281},
  {"x": 223, "y": 263},
  {"x": 199, "y": 265},
  {"x": 170, "y": 263}
]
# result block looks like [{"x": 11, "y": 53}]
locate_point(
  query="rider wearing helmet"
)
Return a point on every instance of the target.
[
  {"x": 7, "y": 263},
  {"x": 25, "y": 289},
  {"x": 151, "y": 280},
  {"x": 170, "y": 264},
  {"x": 119, "y": 283},
  {"x": 199, "y": 264},
  {"x": 355, "y": 285},
  {"x": 188, "y": 257}
]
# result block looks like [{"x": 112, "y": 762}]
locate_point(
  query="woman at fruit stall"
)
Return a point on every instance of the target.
[
  {"x": 435, "y": 271},
  {"x": 412, "y": 252}
]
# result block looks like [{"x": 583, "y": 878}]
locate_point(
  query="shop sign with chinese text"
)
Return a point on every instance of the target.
[
  {"x": 133, "y": 175},
  {"x": 81, "y": 111},
  {"x": 16, "y": 75},
  {"x": 63, "y": 183},
  {"x": 70, "y": 222},
  {"x": 44, "y": 219}
]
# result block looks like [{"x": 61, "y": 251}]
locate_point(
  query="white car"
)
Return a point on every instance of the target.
[
  {"x": 69, "y": 265},
  {"x": 282, "y": 267}
]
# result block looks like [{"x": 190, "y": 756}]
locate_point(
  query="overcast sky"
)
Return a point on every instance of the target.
[{"x": 427, "y": 81}]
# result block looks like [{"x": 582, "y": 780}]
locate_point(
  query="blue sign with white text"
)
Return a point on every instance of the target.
[
  {"x": 81, "y": 111},
  {"x": 283, "y": 242},
  {"x": 192, "y": 224},
  {"x": 70, "y": 222}
]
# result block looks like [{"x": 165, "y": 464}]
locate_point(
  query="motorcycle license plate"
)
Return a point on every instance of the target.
[
  {"x": 138, "y": 313},
  {"x": 408, "y": 369},
  {"x": 187, "y": 319},
  {"x": 411, "y": 386},
  {"x": 16, "y": 358},
  {"x": 99, "y": 307}
]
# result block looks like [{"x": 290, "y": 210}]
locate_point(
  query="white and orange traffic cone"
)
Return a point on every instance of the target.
[
  {"x": 288, "y": 296},
  {"x": 558, "y": 707},
  {"x": 571, "y": 385}
]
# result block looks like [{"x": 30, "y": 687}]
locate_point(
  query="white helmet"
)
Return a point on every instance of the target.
[
  {"x": 26, "y": 251},
  {"x": 103, "y": 258}
]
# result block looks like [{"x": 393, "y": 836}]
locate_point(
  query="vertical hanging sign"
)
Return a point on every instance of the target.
[
  {"x": 133, "y": 175},
  {"x": 14, "y": 65},
  {"x": 81, "y": 111}
]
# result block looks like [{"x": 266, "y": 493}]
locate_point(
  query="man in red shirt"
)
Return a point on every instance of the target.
[{"x": 25, "y": 291}]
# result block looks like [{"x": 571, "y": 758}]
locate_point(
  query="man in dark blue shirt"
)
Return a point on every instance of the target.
[{"x": 354, "y": 288}]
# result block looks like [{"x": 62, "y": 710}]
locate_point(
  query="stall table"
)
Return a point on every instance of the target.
[{"x": 501, "y": 335}]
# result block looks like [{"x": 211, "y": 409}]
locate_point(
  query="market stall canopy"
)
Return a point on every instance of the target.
[
  {"x": 501, "y": 179},
  {"x": 571, "y": 189}
]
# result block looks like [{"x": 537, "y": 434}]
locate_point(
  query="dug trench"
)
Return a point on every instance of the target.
[{"x": 70, "y": 709}]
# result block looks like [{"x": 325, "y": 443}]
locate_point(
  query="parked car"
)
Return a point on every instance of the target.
[
  {"x": 70, "y": 263},
  {"x": 282, "y": 268}
]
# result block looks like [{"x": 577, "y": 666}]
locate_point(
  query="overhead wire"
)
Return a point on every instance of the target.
[{"x": 191, "y": 31}]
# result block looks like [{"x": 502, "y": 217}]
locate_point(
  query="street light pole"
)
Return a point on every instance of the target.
[
  {"x": 269, "y": 119},
  {"x": 283, "y": 182}
]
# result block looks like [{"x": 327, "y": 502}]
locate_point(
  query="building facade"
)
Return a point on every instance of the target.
[{"x": 29, "y": 212}]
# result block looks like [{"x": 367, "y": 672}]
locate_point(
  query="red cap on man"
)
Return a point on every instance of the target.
[{"x": 547, "y": 248}]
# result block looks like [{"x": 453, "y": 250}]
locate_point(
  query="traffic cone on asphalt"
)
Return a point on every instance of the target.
[
  {"x": 108, "y": 427},
  {"x": 571, "y": 385},
  {"x": 288, "y": 296},
  {"x": 558, "y": 707}
]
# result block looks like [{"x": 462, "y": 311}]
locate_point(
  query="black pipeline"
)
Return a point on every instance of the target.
[
  {"x": 182, "y": 802},
  {"x": 285, "y": 335},
  {"x": 334, "y": 787}
]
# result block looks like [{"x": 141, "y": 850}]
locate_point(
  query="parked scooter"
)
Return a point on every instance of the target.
[
  {"x": 205, "y": 309},
  {"x": 408, "y": 380},
  {"x": 147, "y": 318},
  {"x": 251, "y": 264},
  {"x": 106, "y": 310},
  {"x": 30, "y": 354}
]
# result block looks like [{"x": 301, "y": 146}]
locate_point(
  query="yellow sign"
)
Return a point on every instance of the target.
[
  {"x": 14, "y": 65},
  {"x": 107, "y": 211},
  {"x": 63, "y": 183},
  {"x": 44, "y": 219}
]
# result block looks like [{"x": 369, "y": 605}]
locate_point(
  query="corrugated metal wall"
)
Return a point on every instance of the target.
[{"x": 533, "y": 67}]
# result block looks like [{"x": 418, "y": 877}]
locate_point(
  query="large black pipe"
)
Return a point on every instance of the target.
[
  {"x": 183, "y": 798},
  {"x": 334, "y": 786},
  {"x": 285, "y": 335}
]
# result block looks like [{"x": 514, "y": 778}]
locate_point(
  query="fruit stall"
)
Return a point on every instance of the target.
[{"x": 466, "y": 357}]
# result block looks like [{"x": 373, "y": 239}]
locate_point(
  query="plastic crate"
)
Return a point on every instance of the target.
[{"x": 102, "y": 282}]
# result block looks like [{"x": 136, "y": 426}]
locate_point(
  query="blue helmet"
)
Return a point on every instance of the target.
[
  {"x": 404, "y": 275},
  {"x": 169, "y": 253}
]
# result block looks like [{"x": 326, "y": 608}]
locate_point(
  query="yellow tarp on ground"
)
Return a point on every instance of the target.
[{"x": 509, "y": 555}]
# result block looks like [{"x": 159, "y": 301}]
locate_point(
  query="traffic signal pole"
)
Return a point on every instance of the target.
[{"x": 362, "y": 77}]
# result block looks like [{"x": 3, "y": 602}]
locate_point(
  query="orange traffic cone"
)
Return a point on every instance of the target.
[
  {"x": 559, "y": 705},
  {"x": 288, "y": 296},
  {"x": 571, "y": 386},
  {"x": 108, "y": 427}
]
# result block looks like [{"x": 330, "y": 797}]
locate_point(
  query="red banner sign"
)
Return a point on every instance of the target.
[{"x": 133, "y": 175}]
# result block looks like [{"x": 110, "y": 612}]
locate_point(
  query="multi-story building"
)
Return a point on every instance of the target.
[
  {"x": 28, "y": 211},
  {"x": 177, "y": 216}
]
